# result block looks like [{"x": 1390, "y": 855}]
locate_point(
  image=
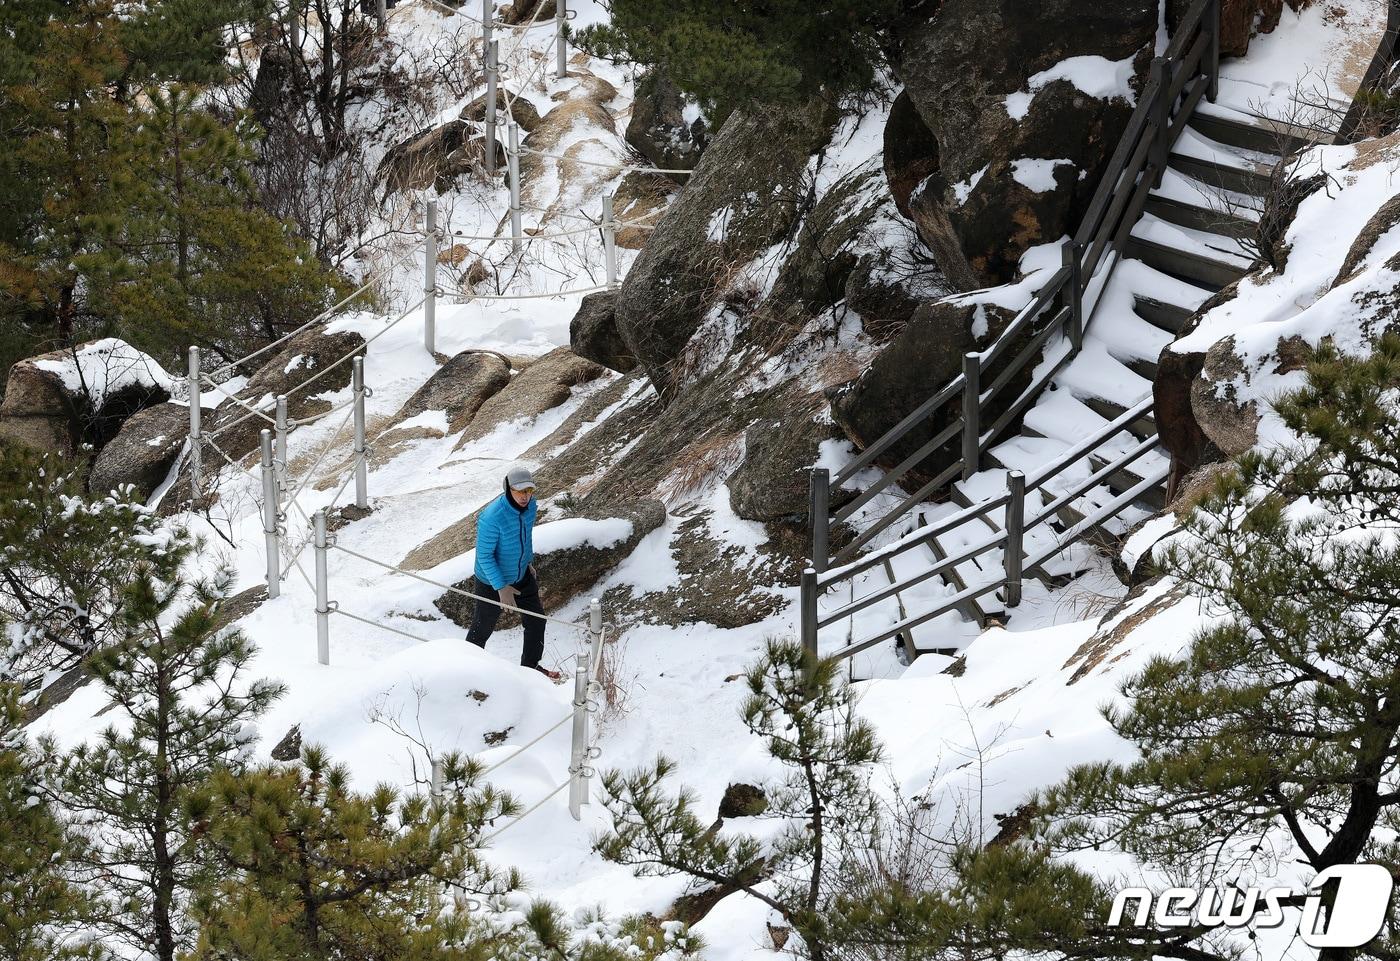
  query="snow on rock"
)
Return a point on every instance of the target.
[
  {"x": 105, "y": 367},
  {"x": 1093, "y": 75},
  {"x": 1036, "y": 174},
  {"x": 581, "y": 532},
  {"x": 963, "y": 188}
]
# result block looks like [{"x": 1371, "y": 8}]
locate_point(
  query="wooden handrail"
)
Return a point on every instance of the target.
[{"x": 1180, "y": 78}]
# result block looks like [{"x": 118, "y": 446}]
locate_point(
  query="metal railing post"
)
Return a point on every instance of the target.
[
  {"x": 809, "y": 614},
  {"x": 357, "y": 382},
  {"x": 609, "y": 241},
  {"x": 279, "y": 454},
  {"x": 561, "y": 16},
  {"x": 1072, "y": 253},
  {"x": 513, "y": 171},
  {"x": 972, "y": 414},
  {"x": 381, "y": 15},
  {"x": 493, "y": 53},
  {"x": 1015, "y": 535},
  {"x": 270, "y": 518},
  {"x": 430, "y": 257},
  {"x": 196, "y": 429},
  {"x": 1161, "y": 115},
  {"x": 323, "y": 590},
  {"x": 1213, "y": 51},
  {"x": 595, "y": 631},
  {"x": 293, "y": 26},
  {"x": 488, "y": 21},
  {"x": 819, "y": 507},
  {"x": 438, "y": 778},
  {"x": 578, "y": 753}
]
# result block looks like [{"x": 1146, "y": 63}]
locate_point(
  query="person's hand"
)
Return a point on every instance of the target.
[
  {"x": 531, "y": 569},
  {"x": 508, "y": 595}
]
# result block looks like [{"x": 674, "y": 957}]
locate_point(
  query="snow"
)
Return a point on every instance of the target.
[
  {"x": 105, "y": 367},
  {"x": 1035, "y": 174},
  {"x": 1093, "y": 75},
  {"x": 964, "y": 188},
  {"x": 581, "y": 532}
]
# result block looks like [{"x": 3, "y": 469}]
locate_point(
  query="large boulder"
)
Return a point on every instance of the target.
[
  {"x": 143, "y": 452},
  {"x": 772, "y": 480},
  {"x": 638, "y": 204},
  {"x": 542, "y": 386},
  {"x": 571, "y": 555},
  {"x": 1240, "y": 20},
  {"x": 665, "y": 128},
  {"x": 61, "y": 400},
  {"x": 433, "y": 157},
  {"x": 1229, "y": 421},
  {"x": 459, "y": 388},
  {"x": 1177, "y": 370},
  {"x": 593, "y": 333},
  {"x": 925, "y": 355},
  {"x": 745, "y": 194},
  {"x": 522, "y": 111},
  {"x": 854, "y": 247},
  {"x": 301, "y": 358},
  {"x": 1022, "y": 137}
]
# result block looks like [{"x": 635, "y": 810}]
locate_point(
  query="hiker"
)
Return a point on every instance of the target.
[{"x": 504, "y": 572}]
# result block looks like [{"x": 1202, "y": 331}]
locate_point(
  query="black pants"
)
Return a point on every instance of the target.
[{"x": 484, "y": 617}]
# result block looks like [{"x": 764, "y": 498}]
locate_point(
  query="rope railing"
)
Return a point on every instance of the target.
[{"x": 629, "y": 168}]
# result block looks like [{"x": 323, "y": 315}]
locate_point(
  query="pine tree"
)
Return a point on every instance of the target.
[
  {"x": 176, "y": 682},
  {"x": 805, "y": 715},
  {"x": 187, "y": 256},
  {"x": 41, "y": 911},
  {"x": 67, "y": 560},
  {"x": 728, "y": 54}
]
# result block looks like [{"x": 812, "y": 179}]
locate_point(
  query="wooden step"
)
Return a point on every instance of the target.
[
  {"x": 1142, "y": 428},
  {"x": 1221, "y": 222},
  {"x": 1143, "y": 367},
  {"x": 1125, "y": 478},
  {"x": 1192, "y": 267},
  {"x": 970, "y": 610},
  {"x": 1262, "y": 136},
  {"x": 1248, "y": 178},
  {"x": 1160, "y": 314}
]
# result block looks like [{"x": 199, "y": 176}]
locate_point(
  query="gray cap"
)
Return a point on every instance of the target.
[{"x": 520, "y": 478}]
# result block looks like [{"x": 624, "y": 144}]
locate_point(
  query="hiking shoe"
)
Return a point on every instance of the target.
[{"x": 554, "y": 676}]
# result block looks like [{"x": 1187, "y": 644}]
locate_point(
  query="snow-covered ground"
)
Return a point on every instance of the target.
[{"x": 1026, "y": 705}]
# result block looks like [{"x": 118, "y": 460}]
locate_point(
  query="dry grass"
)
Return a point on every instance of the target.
[{"x": 699, "y": 461}]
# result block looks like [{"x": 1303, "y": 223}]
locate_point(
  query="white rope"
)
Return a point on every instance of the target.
[
  {"x": 316, "y": 465},
  {"x": 631, "y": 168},
  {"x": 524, "y": 814},
  {"x": 358, "y": 351},
  {"x": 457, "y": 590},
  {"x": 559, "y": 293},
  {"x": 520, "y": 37},
  {"x": 529, "y": 744},
  {"x": 382, "y": 627},
  {"x": 316, "y": 418},
  {"x": 510, "y": 101},
  {"x": 238, "y": 402},
  {"x": 529, "y": 236},
  {"x": 220, "y": 451},
  {"x": 374, "y": 278}
]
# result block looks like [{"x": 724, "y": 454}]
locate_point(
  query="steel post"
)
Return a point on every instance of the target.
[
  {"x": 609, "y": 241},
  {"x": 809, "y": 615},
  {"x": 430, "y": 259},
  {"x": 279, "y": 458},
  {"x": 1072, "y": 253},
  {"x": 323, "y": 604},
  {"x": 513, "y": 169},
  {"x": 493, "y": 54},
  {"x": 270, "y": 516},
  {"x": 819, "y": 497},
  {"x": 578, "y": 754},
  {"x": 561, "y": 17},
  {"x": 196, "y": 429},
  {"x": 357, "y": 381}
]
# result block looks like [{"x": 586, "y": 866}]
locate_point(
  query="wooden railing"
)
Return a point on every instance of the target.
[{"x": 1188, "y": 71}]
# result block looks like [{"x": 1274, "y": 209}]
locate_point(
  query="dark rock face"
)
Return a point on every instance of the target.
[
  {"x": 300, "y": 358},
  {"x": 289, "y": 748},
  {"x": 925, "y": 355},
  {"x": 772, "y": 481},
  {"x": 745, "y": 194},
  {"x": 659, "y": 129},
  {"x": 1380, "y": 223},
  {"x": 1240, "y": 20},
  {"x": 143, "y": 451},
  {"x": 837, "y": 257},
  {"x": 564, "y": 573},
  {"x": 1230, "y": 423},
  {"x": 434, "y": 157},
  {"x": 593, "y": 333},
  {"x": 1171, "y": 393},
  {"x": 459, "y": 387},
  {"x": 521, "y": 110},
  {"x": 998, "y": 182}
]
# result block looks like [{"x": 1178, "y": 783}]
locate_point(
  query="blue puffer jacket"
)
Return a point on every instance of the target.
[{"x": 505, "y": 543}]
